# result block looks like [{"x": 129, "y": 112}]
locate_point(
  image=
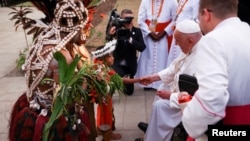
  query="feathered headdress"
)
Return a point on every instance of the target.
[
  {"x": 36, "y": 26},
  {"x": 108, "y": 48}
]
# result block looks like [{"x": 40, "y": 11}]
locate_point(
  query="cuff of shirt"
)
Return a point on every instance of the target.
[
  {"x": 174, "y": 101},
  {"x": 130, "y": 40}
]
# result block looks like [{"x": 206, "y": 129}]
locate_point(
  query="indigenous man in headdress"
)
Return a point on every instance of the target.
[{"x": 32, "y": 111}]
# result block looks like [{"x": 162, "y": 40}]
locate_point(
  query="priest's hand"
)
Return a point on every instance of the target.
[
  {"x": 161, "y": 34},
  {"x": 153, "y": 36}
]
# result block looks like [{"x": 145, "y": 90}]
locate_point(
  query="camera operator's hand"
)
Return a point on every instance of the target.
[
  {"x": 112, "y": 30},
  {"x": 161, "y": 34},
  {"x": 153, "y": 36}
]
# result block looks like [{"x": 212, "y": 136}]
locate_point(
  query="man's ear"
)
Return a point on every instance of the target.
[{"x": 207, "y": 15}]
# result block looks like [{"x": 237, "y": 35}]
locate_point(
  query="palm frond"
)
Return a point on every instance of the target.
[
  {"x": 17, "y": 26},
  {"x": 14, "y": 17},
  {"x": 17, "y": 22},
  {"x": 14, "y": 8},
  {"x": 27, "y": 12},
  {"x": 47, "y": 7},
  {"x": 14, "y": 12},
  {"x": 94, "y": 3},
  {"x": 32, "y": 30}
]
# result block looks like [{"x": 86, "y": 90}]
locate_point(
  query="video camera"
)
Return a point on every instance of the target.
[{"x": 115, "y": 20}]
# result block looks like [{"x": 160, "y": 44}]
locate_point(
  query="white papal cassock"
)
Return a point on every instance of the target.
[
  {"x": 186, "y": 10},
  {"x": 154, "y": 58},
  {"x": 166, "y": 114}
]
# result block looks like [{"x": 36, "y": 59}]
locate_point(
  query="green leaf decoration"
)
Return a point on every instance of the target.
[
  {"x": 87, "y": 84},
  {"x": 66, "y": 71},
  {"x": 94, "y": 3},
  {"x": 57, "y": 112},
  {"x": 62, "y": 98},
  {"x": 62, "y": 64},
  {"x": 117, "y": 84}
]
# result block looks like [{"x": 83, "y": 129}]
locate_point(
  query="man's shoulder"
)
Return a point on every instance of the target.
[{"x": 136, "y": 29}]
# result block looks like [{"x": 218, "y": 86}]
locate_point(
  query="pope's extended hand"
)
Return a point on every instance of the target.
[{"x": 146, "y": 80}]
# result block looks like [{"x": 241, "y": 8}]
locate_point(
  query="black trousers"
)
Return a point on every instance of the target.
[{"x": 124, "y": 71}]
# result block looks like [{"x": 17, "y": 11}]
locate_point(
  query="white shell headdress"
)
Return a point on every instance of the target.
[{"x": 108, "y": 48}]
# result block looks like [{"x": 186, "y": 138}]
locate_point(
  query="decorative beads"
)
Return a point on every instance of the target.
[{"x": 39, "y": 58}]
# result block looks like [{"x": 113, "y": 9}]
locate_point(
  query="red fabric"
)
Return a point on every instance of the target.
[
  {"x": 237, "y": 115},
  {"x": 61, "y": 131},
  {"x": 84, "y": 133},
  {"x": 23, "y": 125},
  {"x": 40, "y": 123},
  {"x": 190, "y": 139},
  {"x": 26, "y": 125},
  {"x": 20, "y": 104},
  {"x": 104, "y": 113},
  {"x": 161, "y": 27}
]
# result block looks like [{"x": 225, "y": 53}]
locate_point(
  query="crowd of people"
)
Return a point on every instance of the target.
[{"x": 205, "y": 39}]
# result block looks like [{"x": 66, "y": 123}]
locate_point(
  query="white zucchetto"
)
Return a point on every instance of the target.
[{"x": 188, "y": 26}]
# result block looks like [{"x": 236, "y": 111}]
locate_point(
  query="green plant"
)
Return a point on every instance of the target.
[
  {"x": 89, "y": 84},
  {"x": 21, "y": 59},
  {"x": 19, "y": 16},
  {"x": 95, "y": 35}
]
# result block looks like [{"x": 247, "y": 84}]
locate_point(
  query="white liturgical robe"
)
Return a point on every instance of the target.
[
  {"x": 223, "y": 76},
  {"x": 154, "y": 58},
  {"x": 163, "y": 117}
]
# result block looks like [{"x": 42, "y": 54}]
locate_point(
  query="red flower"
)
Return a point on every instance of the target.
[
  {"x": 93, "y": 96},
  {"x": 111, "y": 72},
  {"x": 97, "y": 61}
]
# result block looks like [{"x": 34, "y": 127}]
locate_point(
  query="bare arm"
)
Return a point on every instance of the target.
[
  {"x": 130, "y": 80},
  {"x": 146, "y": 80}
]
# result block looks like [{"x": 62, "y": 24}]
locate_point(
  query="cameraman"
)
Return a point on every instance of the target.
[{"x": 129, "y": 41}]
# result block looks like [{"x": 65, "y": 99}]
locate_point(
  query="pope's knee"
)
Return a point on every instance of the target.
[{"x": 161, "y": 103}]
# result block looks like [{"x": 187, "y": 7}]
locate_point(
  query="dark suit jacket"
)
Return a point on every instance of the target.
[{"x": 128, "y": 51}]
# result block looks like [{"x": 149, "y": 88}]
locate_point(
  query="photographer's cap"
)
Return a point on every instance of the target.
[{"x": 188, "y": 26}]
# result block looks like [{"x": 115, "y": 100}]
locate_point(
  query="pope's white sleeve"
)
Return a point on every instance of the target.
[
  {"x": 167, "y": 75},
  {"x": 208, "y": 104},
  {"x": 173, "y": 101}
]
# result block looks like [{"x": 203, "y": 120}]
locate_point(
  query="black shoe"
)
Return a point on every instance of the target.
[
  {"x": 143, "y": 126},
  {"x": 139, "y": 139}
]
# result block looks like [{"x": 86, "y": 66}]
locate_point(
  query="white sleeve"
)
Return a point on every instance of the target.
[
  {"x": 142, "y": 17},
  {"x": 167, "y": 75},
  {"x": 208, "y": 104},
  {"x": 170, "y": 28},
  {"x": 173, "y": 101},
  {"x": 195, "y": 9}
]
